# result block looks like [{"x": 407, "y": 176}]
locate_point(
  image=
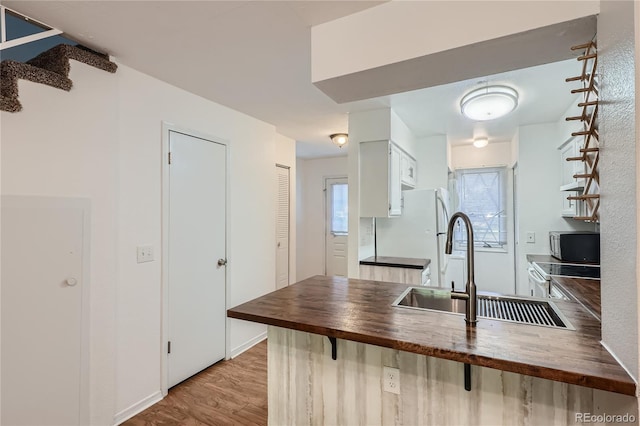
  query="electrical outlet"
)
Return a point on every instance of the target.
[
  {"x": 391, "y": 380},
  {"x": 145, "y": 254},
  {"x": 531, "y": 237}
]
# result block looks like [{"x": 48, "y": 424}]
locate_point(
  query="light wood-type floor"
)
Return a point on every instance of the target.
[{"x": 228, "y": 393}]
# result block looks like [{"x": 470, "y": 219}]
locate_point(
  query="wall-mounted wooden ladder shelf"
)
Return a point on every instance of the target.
[{"x": 590, "y": 150}]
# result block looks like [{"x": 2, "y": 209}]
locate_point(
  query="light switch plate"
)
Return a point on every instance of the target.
[
  {"x": 145, "y": 254},
  {"x": 531, "y": 237}
]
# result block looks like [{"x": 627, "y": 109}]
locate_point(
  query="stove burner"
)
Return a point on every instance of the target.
[{"x": 570, "y": 270}]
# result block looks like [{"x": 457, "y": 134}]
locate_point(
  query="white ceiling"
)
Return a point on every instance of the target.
[
  {"x": 543, "y": 97},
  {"x": 254, "y": 57}
]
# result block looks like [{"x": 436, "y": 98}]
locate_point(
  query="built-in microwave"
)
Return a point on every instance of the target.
[{"x": 579, "y": 246}]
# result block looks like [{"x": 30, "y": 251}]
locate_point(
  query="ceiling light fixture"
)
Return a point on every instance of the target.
[
  {"x": 480, "y": 142},
  {"x": 488, "y": 103},
  {"x": 339, "y": 139}
]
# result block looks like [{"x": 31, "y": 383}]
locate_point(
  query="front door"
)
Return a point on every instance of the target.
[
  {"x": 337, "y": 224},
  {"x": 197, "y": 255}
]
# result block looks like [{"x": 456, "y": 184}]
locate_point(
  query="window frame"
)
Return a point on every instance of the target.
[
  {"x": 502, "y": 214},
  {"x": 333, "y": 211}
]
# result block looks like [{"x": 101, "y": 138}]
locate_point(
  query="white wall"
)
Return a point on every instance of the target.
[
  {"x": 494, "y": 269},
  {"x": 402, "y": 30},
  {"x": 102, "y": 141},
  {"x": 637, "y": 182},
  {"x": 311, "y": 215},
  {"x": 515, "y": 148},
  {"x": 468, "y": 156},
  {"x": 618, "y": 30},
  {"x": 66, "y": 144},
  {"x": 431, "y": 156},
  {"x": 364, "y": 126},
  {"x": 401, "y": 134},
  {"x": 539, "y": 197}
]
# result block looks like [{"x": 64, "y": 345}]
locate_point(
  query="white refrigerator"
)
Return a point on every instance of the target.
[{"x": 420, "y": 232}]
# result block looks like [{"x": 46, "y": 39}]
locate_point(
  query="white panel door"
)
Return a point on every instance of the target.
[
  {"x": 197, "y": 224},
  {"x": 337, "y": 219},
  {"x": 282, "y": 227},
  {"x": 42, "y": 293}
]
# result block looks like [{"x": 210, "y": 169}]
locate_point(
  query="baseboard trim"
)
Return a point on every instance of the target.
[
  {"x": 248, "y": 345},
  {"x": 137, "y": 408}
]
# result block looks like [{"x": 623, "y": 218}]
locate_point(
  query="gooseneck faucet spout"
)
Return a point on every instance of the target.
[{"x": 469, "y": 295}]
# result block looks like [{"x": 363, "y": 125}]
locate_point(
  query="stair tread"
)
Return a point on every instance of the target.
[
  {"x": 57, "y": 59},
  {"x": 50, "y": 67}
]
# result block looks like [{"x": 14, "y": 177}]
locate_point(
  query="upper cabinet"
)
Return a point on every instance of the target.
[
  {"x": 571, "y": 185},
  {"x": 570, "y": 149},
  {"x": 385, "y": 170},
  {"x": 395, "y": 181},
  {"x": 408, "y": 171}
]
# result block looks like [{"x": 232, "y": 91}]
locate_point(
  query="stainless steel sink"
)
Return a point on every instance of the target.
[{"x": 531, "y": 311}]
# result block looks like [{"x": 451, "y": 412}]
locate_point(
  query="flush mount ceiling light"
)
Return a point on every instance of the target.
[
  {"x": 340, "y": 139},
  {"x": 480, "y": 142},
  {"x": 488, "y": 103}
]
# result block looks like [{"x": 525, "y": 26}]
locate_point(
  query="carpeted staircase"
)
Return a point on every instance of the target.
[{"x": 50, "y": 67}]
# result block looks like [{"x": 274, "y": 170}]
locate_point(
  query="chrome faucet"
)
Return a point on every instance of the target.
[{"x": 469, "y": 295}]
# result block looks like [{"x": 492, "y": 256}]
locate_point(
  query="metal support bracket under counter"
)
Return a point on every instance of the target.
[{"x": 402, "y": 270}]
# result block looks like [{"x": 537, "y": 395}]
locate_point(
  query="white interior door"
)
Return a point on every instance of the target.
[
  {"x": 282, "y": 227},
  {"x": 44, "y": 363},
  {"x": 337, "y": 222},
  {"x": 197, "y": 240}
]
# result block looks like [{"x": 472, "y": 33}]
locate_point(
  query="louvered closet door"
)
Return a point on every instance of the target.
[{"x": 282, "y": 227}]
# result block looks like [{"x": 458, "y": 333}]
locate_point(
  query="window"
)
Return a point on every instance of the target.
[
  {"x": 482, "y": 194},
  {"x": 339, "y": 208}
]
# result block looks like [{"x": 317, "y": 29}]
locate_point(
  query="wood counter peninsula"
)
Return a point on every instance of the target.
[{"x": 521, "y": 373}]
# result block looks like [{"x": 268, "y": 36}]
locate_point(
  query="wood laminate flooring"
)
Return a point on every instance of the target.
[{"x": 230, "y": 392}]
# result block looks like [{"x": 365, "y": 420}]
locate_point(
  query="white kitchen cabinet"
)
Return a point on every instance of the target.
[
  {"x": 569, "y": 185},
  {"x": 571, "y": 148},
  {"x": 571, "y": 208},
  {"x": 396, "y": 269},
  {"x": 395, "y": 182},
  {"x": 381, "y": 178},
  {"x": 380, "y": 189},
  {"x": 408, "y": 172},
  {"x": 394, "y": 275}
]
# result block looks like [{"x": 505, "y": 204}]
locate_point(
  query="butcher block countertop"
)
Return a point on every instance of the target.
[
  {"x": 362, "y": 311},
  {"x": 396, "y": 262},
  {"x": 584, "y": 291}
]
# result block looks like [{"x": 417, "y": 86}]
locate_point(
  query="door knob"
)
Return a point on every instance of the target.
[
  {"x": 278, "y": 243},
  {"x": 222, "y": 262},
  {"x": 71, "y": 282}
]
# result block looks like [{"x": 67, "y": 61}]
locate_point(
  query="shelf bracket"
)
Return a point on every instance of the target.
[{"x": 334, "y": 348}]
